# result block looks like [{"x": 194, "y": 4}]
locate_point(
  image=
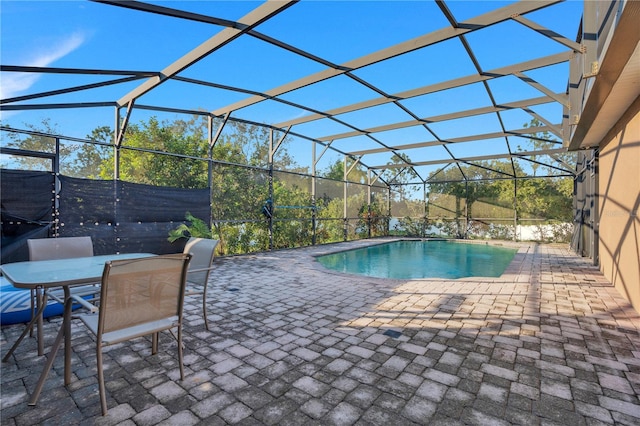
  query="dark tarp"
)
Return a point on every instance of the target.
[
  {"x": 119, "y": 216},
  {"x": 27, "y": 210}
]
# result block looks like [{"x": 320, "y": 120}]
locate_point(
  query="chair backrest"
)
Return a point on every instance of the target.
[
  {"x": 59, "y": 248},
  {"x": 139, "y": 292},
  {"x": 203, "y": 251}
]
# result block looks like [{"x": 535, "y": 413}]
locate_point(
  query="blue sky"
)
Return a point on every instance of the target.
[{"x": 83, "y": 34}]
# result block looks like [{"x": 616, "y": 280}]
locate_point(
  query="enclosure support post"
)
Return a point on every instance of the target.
[
  {"x": 270, "y": 181},
  {"x": 388, "y": 208},
  {"x": 116, "y": 151},
  {"x": 116, "y": 175},
  {"x": 425, "y": 207},
  {"x": 595, "y": 212},
  {"x": 344, "y": 193},
  {"x": 515, "y": 210},
  {"x": 211, "y": 141},
  {"x": 466, "y": 210},
  {"x": 313, "y": 194},
  {"x": 369, "y": 203},
  {"x": 56, "y": 193}
]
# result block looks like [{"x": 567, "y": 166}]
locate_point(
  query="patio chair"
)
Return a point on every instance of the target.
[
  {"x": 203, "y": 251},
  {"x": 138, "y": 297},
  {"x": 52, "y": 249}
]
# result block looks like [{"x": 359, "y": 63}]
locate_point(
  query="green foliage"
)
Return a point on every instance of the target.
[
  {"x": 450, "y": 228},
  {"x": 183, "y": 171},
  {"x": 196, "y": 228},
  {"x": 500, "y": 231},
  {"x": 292, "y": 225},
  {"x": 336, "y": 171},
  {"x": 92, "y": 158},
  {"x": 330, "y": 227},
  {"x": 371, "y": 221},
  {"x": 542, "y": 140},
  {"x": 545, "y": 199},
  {"x": 38, "y": 143},
  {"x": 412, "y": 227},
  {"x": 241, "y": 183},
  {"x": 460, "y": 193}
]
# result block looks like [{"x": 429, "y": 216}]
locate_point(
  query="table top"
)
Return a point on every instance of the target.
[{"x": 60, "y": 272}]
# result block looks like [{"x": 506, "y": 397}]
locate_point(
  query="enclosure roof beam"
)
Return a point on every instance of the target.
[
  {"x": 561, "y": 98},
  {"x": 197, "y": 17},
  {"x": 493, "y": 178},
  {"x": 174, "y": 110},
  {"x": 27, "y": 107},
  {"x": 551, "y": 166},
  {"x": 576, "y": 47},
  {"x": 70, "y": 89},
  {"x": 444, "y": 117},
  {"x": 487, "y": 19},
  {"x": 433, "y": 88},
  {"x": 55, "y": 70},
  {"x": 476, "y": 158},
  {"x": 556, "y": 130},
  {"x": 257, "y": 16},
  {"x": 495, "y": 135},
  {"x": 175, "y": 13}
]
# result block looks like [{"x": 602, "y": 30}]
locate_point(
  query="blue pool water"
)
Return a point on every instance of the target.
[{"x": 422, "y": 259}]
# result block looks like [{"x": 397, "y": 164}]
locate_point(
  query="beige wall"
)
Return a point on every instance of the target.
[{"x": 619, "y": 199}]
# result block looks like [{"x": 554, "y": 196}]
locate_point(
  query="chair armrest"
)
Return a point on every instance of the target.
[
  {"x": 201, "y": 269},
  {"x": 85, "y": 304}
]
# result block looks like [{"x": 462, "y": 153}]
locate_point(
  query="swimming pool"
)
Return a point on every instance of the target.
[{"x": 422, "y": 259}]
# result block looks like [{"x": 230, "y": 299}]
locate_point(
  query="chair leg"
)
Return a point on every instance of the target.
[
  {"x": 103, "y": 396},
  {"x": 204, "y": 307},
  {"x": 180, "y": 352}
]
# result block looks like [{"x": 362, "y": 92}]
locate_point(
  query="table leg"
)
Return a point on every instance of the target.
[
  {"x": 28, "y": 328},
  {"x": 41, "y": 297},
  {"x": 63, "y": 332},
  {"x": 34, "y": 308}
]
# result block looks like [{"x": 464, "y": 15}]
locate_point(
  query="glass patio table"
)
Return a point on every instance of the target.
[{"x": 65, "y": 273}]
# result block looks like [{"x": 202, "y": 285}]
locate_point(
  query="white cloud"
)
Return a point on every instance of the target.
[
  {"x": 59, "y": 50},
  {"x": 15, "y": 83}
]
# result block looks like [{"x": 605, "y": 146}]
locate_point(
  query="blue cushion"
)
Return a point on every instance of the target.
[{"x": 15, "y": 304}]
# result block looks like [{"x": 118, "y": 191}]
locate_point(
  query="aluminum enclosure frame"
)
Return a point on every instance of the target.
[{"x": 247, "y": 27}]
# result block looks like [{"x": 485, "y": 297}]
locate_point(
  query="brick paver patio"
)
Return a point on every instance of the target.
[{"x": 551, "y": 342}]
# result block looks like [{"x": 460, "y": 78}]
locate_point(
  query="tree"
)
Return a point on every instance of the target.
[
  {"x": 336, "y": 171},
  {"x": 543, "y": 140},
  {"x": 90, "y": 158},
  {"x": 39, "y": 143},
  {"x": 157, "y": 169},
  {"x": 238, "y": 187},
  {"x": 402, "y": 176},
  {"x": 475, "y": 185},
  {"x": 543, "y": 199}
]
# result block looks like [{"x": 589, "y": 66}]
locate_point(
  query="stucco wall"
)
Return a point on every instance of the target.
[{"x": 619, "y": 199}]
